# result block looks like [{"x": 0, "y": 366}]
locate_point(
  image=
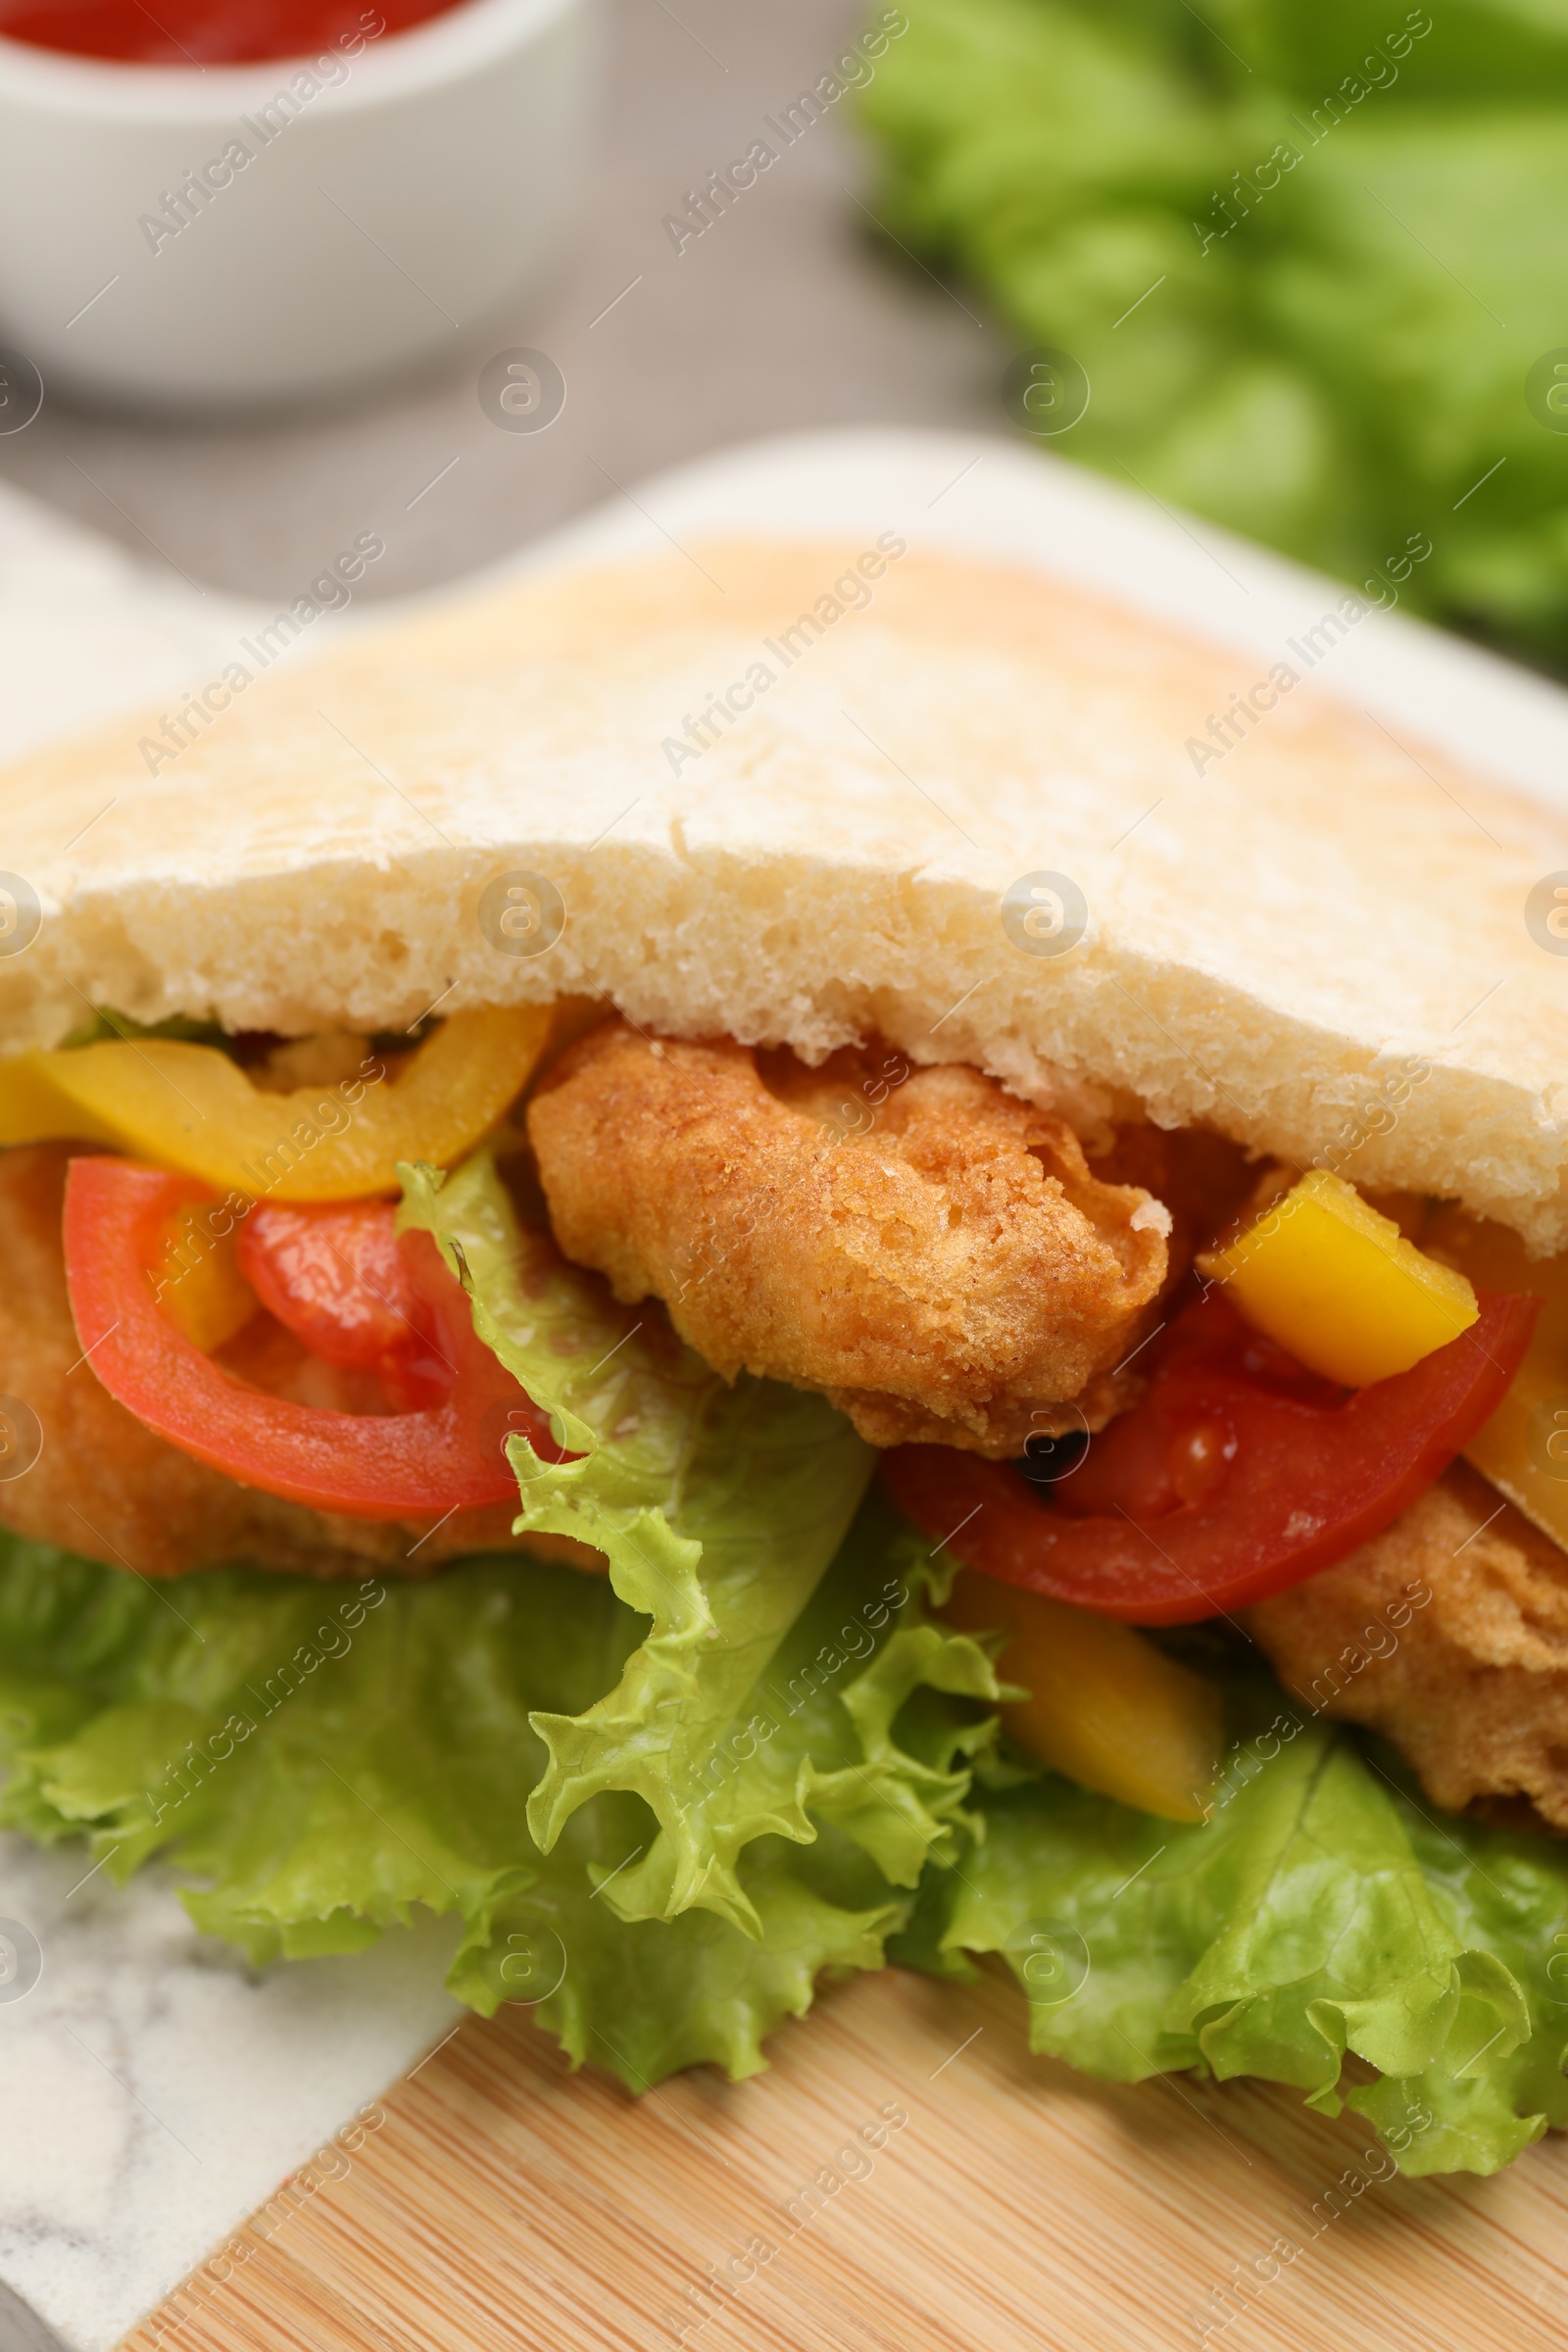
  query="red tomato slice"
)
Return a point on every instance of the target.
[
  {"x": 1238, "y": 1474},
  {"x": 372, "y": 1466},
  {"x": 335, "y": 1275}
]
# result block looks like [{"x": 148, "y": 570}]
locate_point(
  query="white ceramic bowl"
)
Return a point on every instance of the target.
[{"x": 395, "y": 208}]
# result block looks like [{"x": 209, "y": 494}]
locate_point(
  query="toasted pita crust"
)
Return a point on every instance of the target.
[{"x": 1278, "y": 946}]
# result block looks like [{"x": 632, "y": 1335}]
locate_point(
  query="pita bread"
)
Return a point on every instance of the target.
[{"x": 1314, "y": 940}]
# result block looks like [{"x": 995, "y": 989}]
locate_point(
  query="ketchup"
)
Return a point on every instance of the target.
[{"x": 208, "y": 32}]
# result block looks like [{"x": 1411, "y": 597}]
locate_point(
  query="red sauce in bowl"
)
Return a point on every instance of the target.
[{"x": 208, "y": 32}]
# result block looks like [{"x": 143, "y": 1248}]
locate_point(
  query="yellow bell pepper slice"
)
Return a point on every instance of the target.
[
  {"x": 33, "y": 1111},
  {"x": 1105, "y": 1707},
  {"x": 191, "y": 1107},
  {"x": 1339, "y": 1287},
  {"x": 1524, "y": 1448},
  {"x": 199, "y": 1284}
]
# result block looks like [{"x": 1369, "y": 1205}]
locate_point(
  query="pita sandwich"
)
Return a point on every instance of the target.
[{"x": 815, "y": 1253}]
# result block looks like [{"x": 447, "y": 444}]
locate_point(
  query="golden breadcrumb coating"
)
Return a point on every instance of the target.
[
  {"x": 928, "y": 1252},
  {"x": 1450, "y": 1636},
  {"x": 109, "y": 1487}
]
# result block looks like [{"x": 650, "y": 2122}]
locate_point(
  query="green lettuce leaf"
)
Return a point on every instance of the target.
[
  {"x": 324, "y": 1759},
  {"x": 662, "y": 1804},
  {"x": 1319, "y": 1911},
  {"x": 718, "y": 1509},
  {"x": 321, "y": 1759},
  {"x": 1308, "y": 273}
]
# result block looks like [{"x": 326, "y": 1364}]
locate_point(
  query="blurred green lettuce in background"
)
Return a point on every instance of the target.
[{"x": 1315, "y": 262}]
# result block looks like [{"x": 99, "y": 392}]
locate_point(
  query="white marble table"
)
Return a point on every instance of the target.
[{"x": 153, "y": 2090}]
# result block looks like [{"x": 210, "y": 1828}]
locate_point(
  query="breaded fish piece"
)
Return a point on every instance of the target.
[
  {"x": 927, "y": 1250},
  {"x": 109, "y": 1487},
  {"x": 1449, "y": 1634}
]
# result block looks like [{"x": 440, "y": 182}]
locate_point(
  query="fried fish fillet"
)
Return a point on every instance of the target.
[
  {"x": 1449, "y": 1634},
  {"x": 109, "y": 1487},
  {"x": 925, "y": 1249}
]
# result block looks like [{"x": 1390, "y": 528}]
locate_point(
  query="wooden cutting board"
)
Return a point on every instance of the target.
[{"x": 503, "y": 2202}]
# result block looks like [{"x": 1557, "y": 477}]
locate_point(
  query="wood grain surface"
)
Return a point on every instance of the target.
[{"x": 500, "y": 2201}]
